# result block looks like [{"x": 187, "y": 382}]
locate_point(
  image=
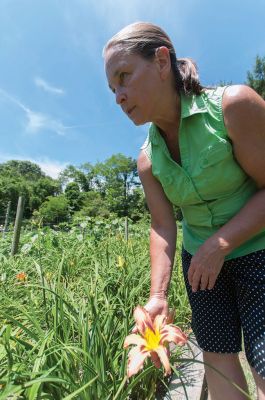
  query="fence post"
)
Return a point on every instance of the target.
[
  {"x": 6, "y": 218},
  {"x": 126, "y": 229},
  {"x": 17, "y": 228}
]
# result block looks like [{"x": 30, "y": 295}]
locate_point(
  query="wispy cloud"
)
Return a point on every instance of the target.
[
  {"x": 37, "y": 121},
  {"x": 47, "y": 87},
  {"x": 49, "y": 167}
]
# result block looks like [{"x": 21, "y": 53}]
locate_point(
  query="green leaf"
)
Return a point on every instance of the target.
[{"x": 72, "y": 395}]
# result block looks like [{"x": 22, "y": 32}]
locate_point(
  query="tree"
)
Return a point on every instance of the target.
[
  {"x": 40, "y": 190},
  {"x": 137, "y": 204},
  {"x": 93, "y": 205},
  {"x": 24, "y": 178},
  {"x": 11, "y": 187},
  {"x": 256, "y": 79},
  {"x": 225, "y": 83},
  {"x": 25, "y": 169},
  {"x": 74, "y": 196},
  {"x": 117, "y": 177},
  {"x": 83, "y": 176},
  {"x": 55, "y": 210}
]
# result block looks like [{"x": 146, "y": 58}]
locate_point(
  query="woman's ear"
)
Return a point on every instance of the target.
[{"x": 163, "y": 61}]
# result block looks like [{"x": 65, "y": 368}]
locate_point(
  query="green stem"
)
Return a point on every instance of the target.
[{"x": 120, "y": 388}]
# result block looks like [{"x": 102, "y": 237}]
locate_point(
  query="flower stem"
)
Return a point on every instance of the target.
[{"x": 120, "y": 388}]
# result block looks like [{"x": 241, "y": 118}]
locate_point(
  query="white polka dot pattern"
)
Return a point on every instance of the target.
[{"x": 235, "y": 304}]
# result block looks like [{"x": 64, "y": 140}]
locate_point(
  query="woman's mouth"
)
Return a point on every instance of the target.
[{"x": 130, "y": 110}]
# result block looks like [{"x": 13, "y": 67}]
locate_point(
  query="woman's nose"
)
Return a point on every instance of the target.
[{"x": 120, "y": 96}]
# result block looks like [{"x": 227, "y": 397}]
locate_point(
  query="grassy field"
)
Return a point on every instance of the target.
[
  {"x": 66, "y": 306},
  {"x": 67, "y": 301}
]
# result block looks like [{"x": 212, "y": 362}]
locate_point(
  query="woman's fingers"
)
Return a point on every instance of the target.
[
  {"x": 155, "y": 306},
  {"x": 212, "y": 280},
  {"x": 191, "y": 272},
  {"x": 202, "y": 277},
  {"x": 195, "y": 276},
  {"x": 204, "y": 282}
]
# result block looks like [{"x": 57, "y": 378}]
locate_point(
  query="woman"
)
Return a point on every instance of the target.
[{"x": 205, "y": 153}]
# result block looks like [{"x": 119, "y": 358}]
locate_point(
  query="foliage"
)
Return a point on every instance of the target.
[
  {"x": 27, "y": 169},
  {"x": 24, "y": 178},
  {"x": 73, "y": 195},
  {"x": 93, "y": 205},
  {"x": 62, "y": 329},
  {"x": 225, "y": 83},
  {"x": 82, "y": 176},
  {"x": 107, "y": 188},
  {"x": 256, "y": 78},
  {"x": 117, "y": 179},
  {"x": 55, "y": 209}
]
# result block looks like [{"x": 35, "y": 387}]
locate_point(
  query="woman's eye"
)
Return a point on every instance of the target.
[{"x": 122, "y": 76}]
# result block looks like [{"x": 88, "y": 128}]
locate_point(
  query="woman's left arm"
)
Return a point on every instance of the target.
[{"x": 244, "y": 117}]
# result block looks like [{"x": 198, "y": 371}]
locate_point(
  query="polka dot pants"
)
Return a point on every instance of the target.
[{"x": 235, "y": 304}]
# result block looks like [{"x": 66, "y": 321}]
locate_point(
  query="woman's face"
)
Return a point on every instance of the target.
[{"x": 135, "y": 82}]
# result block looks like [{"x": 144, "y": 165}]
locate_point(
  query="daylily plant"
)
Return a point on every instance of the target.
[
  {"x": 152, "y": 341},
  {"x": 121, "y": 261},
  {"x": 22, "y": 276}
]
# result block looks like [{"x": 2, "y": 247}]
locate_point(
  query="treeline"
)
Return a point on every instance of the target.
[
  {"x": 110, "y": 188},
  {"x": 256, "y": 78}
]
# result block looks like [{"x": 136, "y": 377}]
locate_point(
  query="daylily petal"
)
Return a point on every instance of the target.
[
  {"x": 136, "y": 361},
  {"x": 163, "y": 355},
  {"x": 153, "y": 340},
  {"x": 134, "y": 350},
  {"x": 155, "y": 359},
  {"x": 171, "y": 333},
  {"x": 142, "y": 319},
  {"x": 159, "y": 321},
  {"x": 134, "y": 339},
  {"x": 171, "y": 316}
]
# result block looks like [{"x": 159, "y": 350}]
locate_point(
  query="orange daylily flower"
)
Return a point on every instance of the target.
[
  {"x": 22, "y": 276},
  {"x": 152, "y": 341}
]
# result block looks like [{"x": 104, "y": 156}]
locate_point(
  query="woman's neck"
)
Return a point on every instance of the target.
[{"x": 168, "y": 119}]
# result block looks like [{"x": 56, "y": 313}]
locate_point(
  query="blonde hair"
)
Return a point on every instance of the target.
[{"x": 144, "y": 38}]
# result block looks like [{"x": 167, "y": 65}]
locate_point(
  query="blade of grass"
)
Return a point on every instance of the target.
[{"x": 72, "y": 395}]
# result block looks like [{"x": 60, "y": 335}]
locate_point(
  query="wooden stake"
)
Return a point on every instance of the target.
[
  {"x": 6, "y": 218},
  {"x": 17, "y": 228},
  {"x": 126, "y": 229}
]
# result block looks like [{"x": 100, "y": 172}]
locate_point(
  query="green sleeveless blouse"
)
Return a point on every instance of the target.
[{"x": 209, "y": 186}]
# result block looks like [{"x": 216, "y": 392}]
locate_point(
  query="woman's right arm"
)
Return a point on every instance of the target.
[{"x": 162, "y": 237}]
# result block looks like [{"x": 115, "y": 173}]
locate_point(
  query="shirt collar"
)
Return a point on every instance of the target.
[{"x": 191, "y": 105}]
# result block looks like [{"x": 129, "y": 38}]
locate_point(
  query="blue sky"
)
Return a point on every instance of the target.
[{"x": 55, "y": 105}]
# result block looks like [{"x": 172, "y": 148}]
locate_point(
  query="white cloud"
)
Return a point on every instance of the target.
[
  {"x": 47, "y": 87},
  {"x": 37, "y": 121},
  {"x": 50, "y": 167}
]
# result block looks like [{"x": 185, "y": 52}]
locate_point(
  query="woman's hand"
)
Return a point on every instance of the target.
[
  {"x": 206, "y": 264},
  {"x": 156, "y": 305}
]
